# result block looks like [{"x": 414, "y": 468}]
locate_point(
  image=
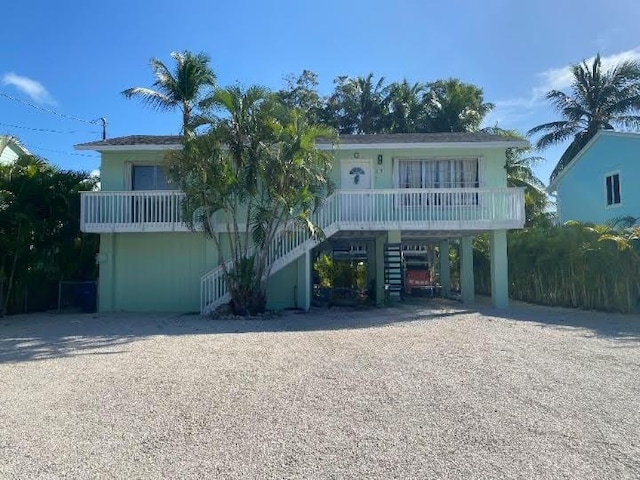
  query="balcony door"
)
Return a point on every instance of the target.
[
  {"x": 152, "y": 205},
  {"x": 148, "y": 177},
  {"x": 356, "y": 181}
]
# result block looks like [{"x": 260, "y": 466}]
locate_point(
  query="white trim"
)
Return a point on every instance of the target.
[
  {"x": 15, "y": 141},
  {"x": 613, "y": 205},
  {"x": 553, "y": 186},
  {"x": 128, "y": 148},
  {"x": 420, "y": 145}
]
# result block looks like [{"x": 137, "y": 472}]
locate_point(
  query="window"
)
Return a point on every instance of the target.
[
  {"x": 452, "y": 173},
  {"x": 612, "y": 183},
  {"x": 446, "y": 173},
  {"x": 148, "y": 177}
]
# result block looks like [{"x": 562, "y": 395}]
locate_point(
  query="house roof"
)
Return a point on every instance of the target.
[
  {"x": 159, "y": 141},
  {"x": 11, "y": 140},
  {"x": 601, "y": 133},
  {"x": 15, "y": 147},
  {"x": 372, "y": 141},
  {"x": 441, "y": 137}
]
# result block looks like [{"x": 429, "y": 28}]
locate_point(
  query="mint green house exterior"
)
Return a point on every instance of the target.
[
  {"x": 600, "y": 183},
  {"x": 402, "y": 189}
]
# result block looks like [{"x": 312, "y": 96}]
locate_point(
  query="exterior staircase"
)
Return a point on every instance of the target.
[{"x": 289, "y": 244}]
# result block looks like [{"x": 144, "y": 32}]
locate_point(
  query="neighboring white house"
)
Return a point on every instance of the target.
[{"x": 11, "y": 149}]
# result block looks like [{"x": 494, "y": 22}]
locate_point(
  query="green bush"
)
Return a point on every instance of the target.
[{"x": 340, "y": 273}]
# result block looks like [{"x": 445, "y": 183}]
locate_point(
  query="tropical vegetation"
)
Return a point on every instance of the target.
[
  {"x": 598, "y": 99},
  {"x": 366, "y": 104},
  {"x": 257, "y": 168},
  {"x": 40, "y": 238},
  {"x": 519, "y": 166},
  {"x": 574, "y": 265},
  {"x": 184, "y": 87}
]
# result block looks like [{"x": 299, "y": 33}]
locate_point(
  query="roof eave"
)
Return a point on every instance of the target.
[
  {"x": 326, "y": 146},
  {"x": 554, "y": 184},
  {"x": 421, "y": 145},
  {"x": 127, "y": 148}
]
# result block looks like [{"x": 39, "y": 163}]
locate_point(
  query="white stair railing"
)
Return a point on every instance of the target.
[{"x": 290, "y": 242}]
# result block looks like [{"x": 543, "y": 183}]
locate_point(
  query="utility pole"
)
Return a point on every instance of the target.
[{"x": 104, "y": 128}]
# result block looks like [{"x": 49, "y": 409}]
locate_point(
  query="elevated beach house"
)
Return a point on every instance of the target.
[{"x": 392, "y": 191}]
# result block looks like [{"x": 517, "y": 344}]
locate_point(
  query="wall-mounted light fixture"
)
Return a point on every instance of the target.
[
  {"x": 380, "y": 159},
  {"x": 356, "y": 155}
]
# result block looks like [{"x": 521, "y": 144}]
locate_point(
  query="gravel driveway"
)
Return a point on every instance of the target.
[{"x": 417, "y": 391}]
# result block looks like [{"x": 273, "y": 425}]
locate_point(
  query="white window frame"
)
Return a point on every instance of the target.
[{"x": 607, "y": 175}]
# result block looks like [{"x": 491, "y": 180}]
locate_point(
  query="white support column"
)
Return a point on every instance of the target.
[
  {"x": 466, "y": 269},
  {"x": 499, "y": 269},
  {"x": 445, "y": 268}
]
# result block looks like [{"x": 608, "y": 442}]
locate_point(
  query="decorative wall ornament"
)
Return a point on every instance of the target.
[{"x": 355, "y": 173}]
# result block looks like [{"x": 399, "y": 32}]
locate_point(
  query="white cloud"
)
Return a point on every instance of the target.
[
  {"x": 34, "y": 89},
  {"x": 560, "y": 78},
  {"x": 515, "y": 110}
]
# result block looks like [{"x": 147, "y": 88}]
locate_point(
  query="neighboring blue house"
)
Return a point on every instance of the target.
[{"x": 602, "y": 182}]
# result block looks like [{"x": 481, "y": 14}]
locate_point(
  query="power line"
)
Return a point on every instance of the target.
[
  {"x": 64, "y": 153},
  {"x": 53, "y": 112},
  {"x": 39, "y": 129}
]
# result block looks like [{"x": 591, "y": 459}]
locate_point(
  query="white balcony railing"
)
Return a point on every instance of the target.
[
  {"x": 132, "y": 211},
  {"x": 401, "y": 209}
]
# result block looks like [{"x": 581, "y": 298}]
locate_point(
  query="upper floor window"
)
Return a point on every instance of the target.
[
  {"x": 149, "y": 177},
  {"x": 441, "y": 173},
  {"x": 612, "y": 185}
]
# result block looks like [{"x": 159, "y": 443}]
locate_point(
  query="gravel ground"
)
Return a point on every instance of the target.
[{"x": 416, "y": 391}]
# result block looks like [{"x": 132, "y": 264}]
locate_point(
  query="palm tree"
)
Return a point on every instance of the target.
[
  {"x": 259, "y": 168},
  {"x": 185, "y": 87},
  {"x": 357, "y": 105},
  {"x": 598, "y": 100},
  {"x": 407, "y": 110},
  {"x": 519, "y": 166},
  {"x": 455, "y": 106}
]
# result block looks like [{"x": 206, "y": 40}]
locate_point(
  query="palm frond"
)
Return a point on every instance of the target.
[{"x": 154, "y": 99}]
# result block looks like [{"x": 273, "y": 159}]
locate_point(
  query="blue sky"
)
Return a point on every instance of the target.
[{"x": 76, "y": 57}]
